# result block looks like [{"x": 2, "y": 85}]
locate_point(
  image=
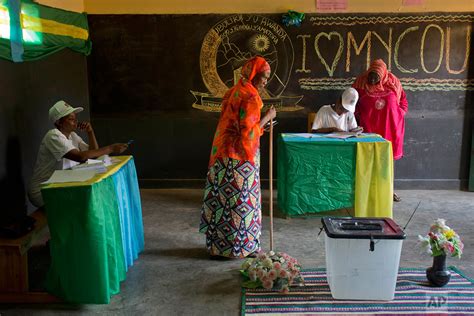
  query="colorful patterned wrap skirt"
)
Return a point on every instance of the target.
[{"x": 231, "y": 214}]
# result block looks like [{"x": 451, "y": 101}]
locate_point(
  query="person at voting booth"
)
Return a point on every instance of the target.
[
  {"x": 338, "y": 117},
  {"x": 61, "y": 148},
  {"x": 231, "y": 213},
  {"x": 382, "y": 106}
]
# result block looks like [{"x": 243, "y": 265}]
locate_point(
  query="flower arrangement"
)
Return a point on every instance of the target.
[
  {"x": 272, "y": 270},
  {"x": 442, "y": 240}
]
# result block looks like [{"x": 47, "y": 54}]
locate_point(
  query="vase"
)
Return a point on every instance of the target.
[{"x": 438, "y": 275}]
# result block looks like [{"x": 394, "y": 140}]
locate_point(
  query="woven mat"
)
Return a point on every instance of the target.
[{"x": 413, "y": 296}]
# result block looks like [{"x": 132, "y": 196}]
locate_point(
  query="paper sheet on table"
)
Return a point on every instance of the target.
[
  {"x": 106, "y": 160},
  {"x": 61, "y": 176},
  {"x": 91, "y": 164},
  {"x": 304, "y": 135},
  {"x": 343, "y": 135}
]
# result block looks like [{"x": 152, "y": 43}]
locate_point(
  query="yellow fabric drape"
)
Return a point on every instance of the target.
[
  {"x": 374, "y": 180},
  {"x": 52, "y": 27}
]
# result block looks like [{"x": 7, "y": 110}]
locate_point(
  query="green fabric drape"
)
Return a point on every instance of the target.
[
  {"x": 44, "y": 31},
  {"x": 315, "y": 177},
  {"x": 318, "y": 174},
  {"x": 87, "y": 256}
]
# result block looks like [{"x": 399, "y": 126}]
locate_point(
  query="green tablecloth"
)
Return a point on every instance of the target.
[
  {"x": 316, "y": 174},
  {"x": 87, "y": 240}
]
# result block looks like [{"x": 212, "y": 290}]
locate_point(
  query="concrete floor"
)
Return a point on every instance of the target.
[{"x": 174, "y": 276}]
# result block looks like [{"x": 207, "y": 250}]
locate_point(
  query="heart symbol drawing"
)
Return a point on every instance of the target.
[{"x": 338, "y": 54}]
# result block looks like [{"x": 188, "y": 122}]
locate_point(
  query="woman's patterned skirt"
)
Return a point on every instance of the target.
[{"x": 231, "y": 214}]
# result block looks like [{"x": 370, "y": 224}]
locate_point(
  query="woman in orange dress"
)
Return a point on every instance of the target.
[{"x": 231, "y": 211}]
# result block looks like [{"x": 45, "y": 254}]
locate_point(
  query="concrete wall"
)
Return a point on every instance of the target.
[
  {"x": 265, "y": 6},
  {"x": 248, "y": 6},
  {"x": 69, "y": 5}
]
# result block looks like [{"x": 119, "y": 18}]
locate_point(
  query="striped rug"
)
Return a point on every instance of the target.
[{"x": 413, "y": 296}]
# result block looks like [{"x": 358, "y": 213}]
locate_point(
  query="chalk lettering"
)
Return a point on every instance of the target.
[{"x": 422, "y": 48}]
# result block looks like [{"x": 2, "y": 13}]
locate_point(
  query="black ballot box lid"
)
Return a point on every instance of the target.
[{"x": 362, "y": 228}]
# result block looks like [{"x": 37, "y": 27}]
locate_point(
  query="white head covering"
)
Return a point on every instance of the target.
[
  {"x": 349, "y": 99},
  {"x": 61, "y": 109}
]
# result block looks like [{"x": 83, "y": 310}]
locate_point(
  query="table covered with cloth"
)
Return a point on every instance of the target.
[
  {"x": 318, "y": 174},
  {"x": 96, "y": 233}
]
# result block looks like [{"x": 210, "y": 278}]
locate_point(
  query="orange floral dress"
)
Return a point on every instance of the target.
[
  {"x": 238, "y": 132},
  {"x": 231, "y": 214}
]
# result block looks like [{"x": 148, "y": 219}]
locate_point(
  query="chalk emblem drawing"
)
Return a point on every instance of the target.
[{"x": 229, "y": 44}]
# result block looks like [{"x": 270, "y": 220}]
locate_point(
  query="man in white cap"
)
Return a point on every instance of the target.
[
  {"x": 338, "y": 117},
  {"x": 61, "y": 147}
]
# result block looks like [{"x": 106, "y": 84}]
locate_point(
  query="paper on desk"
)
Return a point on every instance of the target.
[
  {"x": 61, "y": 176},
  {"x": 343, "y": 135},
  {"x": 91, "y": 164},
  {"x": 105, "y": 159},
  {"x": 304, "y": 135}
]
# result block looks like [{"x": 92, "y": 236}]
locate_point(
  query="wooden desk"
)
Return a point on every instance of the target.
[{"x": 14, "y": 284}]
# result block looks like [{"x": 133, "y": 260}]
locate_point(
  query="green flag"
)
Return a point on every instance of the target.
[{"x": 30, "y": 31}]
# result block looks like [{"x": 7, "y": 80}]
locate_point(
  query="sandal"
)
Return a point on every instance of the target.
[{"x": 396, "y": 198}]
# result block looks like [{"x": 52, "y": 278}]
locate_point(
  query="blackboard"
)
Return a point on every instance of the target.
[{"x": 169, "y": 72}]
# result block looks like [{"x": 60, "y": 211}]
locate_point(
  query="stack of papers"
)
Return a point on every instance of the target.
[
  {"x": 105, "y": 159},
  {"x": 91, "y": 164},
  {"x": 303, "y": 135},
  {"x": 343, "y": 135},
  {"x": 61, "y": 176}
]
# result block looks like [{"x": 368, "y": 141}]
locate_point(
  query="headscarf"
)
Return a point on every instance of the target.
[
  {"x": 254, "y": 66},
  {"x": 388, "y": 81}
]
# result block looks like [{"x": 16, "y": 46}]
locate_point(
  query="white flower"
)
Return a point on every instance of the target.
[
  {"x": 267, "y": 263},
  {"x": 252, "y": 275},
  {"x": 247, "y": 264},
  {"x": 441, "y": 223},
  {"x": 271, "y": 253},
  {"x": 261, "y": 256},
  {"x": 425, "y": 243}
]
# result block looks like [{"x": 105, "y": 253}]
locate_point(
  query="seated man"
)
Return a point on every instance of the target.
[
  {"x": 338, "y": 117},
  {"x": 61, "y": 147}
]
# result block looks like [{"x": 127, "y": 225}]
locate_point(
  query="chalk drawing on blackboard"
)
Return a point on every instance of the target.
[
  {"x": 427, "y": 56},
  {"x": 229, "y": 44},
  {"x": 409, "y": 84}
]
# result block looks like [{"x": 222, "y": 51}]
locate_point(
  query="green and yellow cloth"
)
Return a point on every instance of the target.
[
  {"x": 30, "y": 31},
  {"x": 320, "y": 174}
]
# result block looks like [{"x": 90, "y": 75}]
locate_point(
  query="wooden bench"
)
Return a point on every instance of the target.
[{"x": 14, "y": 285}]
